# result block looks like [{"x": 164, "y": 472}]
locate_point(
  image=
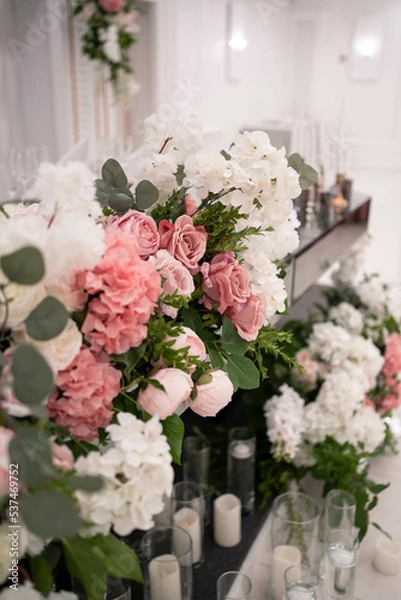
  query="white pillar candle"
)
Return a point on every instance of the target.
[
  {"x": 227, "y": 520},
  {"x": 283, "y": 557},
  {"x": 241, "y": 450},
  {"x": 188, "y": 519},
  {"x": 164, "y": 578},
  {"x": 387, "y": 556}
]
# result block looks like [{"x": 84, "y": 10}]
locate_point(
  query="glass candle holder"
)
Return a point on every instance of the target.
[
  {"x": 195, "y": 466},
  {"x": 233, "y": 585},
  {"x": 295, "y": 522},
  {"x": 117, "y": 589},
  {"x": 167, "y": 564},
  {"x": 188, "y": 512},
  {"x": 241, "y": 466},
  {"x": 301, "y": 583},
  {"x": 339, "y": 511},
  {"x": 340, "y": 558}
]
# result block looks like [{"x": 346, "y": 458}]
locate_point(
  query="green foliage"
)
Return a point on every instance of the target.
[
  {"x": 173, "y": 429},
  {"x": 50, "y": 513},
  {"x": 32, "y": 377},
  {"x": 47, "y": 320},
  {"x": 172, "y": 208},
  {"x": 221, "y": 223},
  {"x": 25, "y": 266},
  {"x": 307, "y": 175},
  {"x": 146, "y": 194}
]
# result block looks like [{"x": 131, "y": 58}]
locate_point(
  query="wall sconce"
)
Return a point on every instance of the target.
[
  {"x": 367, "y": 47},
  {"x": 237, "y": 41}
]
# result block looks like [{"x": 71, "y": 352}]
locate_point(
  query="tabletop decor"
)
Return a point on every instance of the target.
[
  {"x": 111, "y": 27},
  {"x": 118, "y": 313}
]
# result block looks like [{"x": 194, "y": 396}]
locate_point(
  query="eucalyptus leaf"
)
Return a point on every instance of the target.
[
  {"x": 103, "y": 192},
  {"x": 50, "y": 513},
  {"x": 173, "y": 429},
  {"x": 113, "y": 173},
  {"x": 146, "y": 194},
  {"x": 32, "y": 377},
  {"x": 88, "y": 483},
  {"x": 120, "y": 203},
  {"x": 30, "y": 449},
  {"x": 25, "y": 266},
  {"x": 307, "y": 175},
  {"x": 244, "y": 370},
  {"x": 47, "y": 320}
]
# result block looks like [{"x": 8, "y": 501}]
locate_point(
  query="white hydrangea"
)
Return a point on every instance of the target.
[
  {"x": 181, "y": 136},
  {"x": 349, "y": 270},
  {"x": 368, "y": 357},
  {"x": 137, "y": 473},
  {"x": 343, "y": 390},
  {"x": 329, "y": 342},
  {"x": 373, "y": 294},
  {"x": 207, "y": 172},
  {"x": 347, "y": 316},
  {"x": 160, "y": 170},
  {"x": 367, "y": 427},
  {"x": 284, "y": 420},
  {"x": 66, "y": 187},
  {"x": 26, "y": 591},
  {"x": 111, "y": 45},
  {"x": 321, "y": 423}
]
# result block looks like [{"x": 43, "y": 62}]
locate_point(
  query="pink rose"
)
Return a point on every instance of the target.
[
  {"x": 86, "y": 390},
  {"x": 212, "y": 397},
  {"x": 190, "y": 205},
  {"x": 225, "y": 282},
  {"x": 248, "y": 317},
  {"x": 142, "y": 227},
  {"x": 125, "y": 289},
  {"x": 62, "y": 457},
  {"x": 184, "y": 240},
  {"x": 112, "y": 5},
  {"x": 187, "y": 339},
  {"x": 177, "y": 385},
  {"x": 176, "y": 278},
  {"x": 6, "y": 435}
]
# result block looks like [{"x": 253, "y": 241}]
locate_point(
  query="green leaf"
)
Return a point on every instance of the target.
[
  {"x": 146, "y": 194},
  {"x": 122, "y": 560},
  {"x": 32, "y": 376},
  {"x": 50, "y": 513},
  {"x": 30, "y": 449},
  {"x": 173, "y": 429},
  {"x": 88, "y": 564},
  {"x": 244, "y": 371},
  {"x": 307, "y": 175},
  {"x": 47, "y": 320},
  {"x": 25, "y": 266},
  {"x": 215, "y": 357},
  {"x": 191, "y": 319},
  {"x": 88, "y": 483},
  {"x": 113, "y": 174},
  {"x": 41, "y": 574},
  {"x": 231, "y": 341},
  {"x": 180, "y": 174},
  {"x": 120, "y": 203},
  {"x": 103, "y": 192}
]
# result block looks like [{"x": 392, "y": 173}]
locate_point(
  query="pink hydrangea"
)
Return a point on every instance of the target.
[
  {"x": 184, "y": 240},
  {"x": 6, "y": 436},
  {"x": 248, "y": 317},
  {"x": 86, "y": 390},
  {"x": 112, "y": 6},
  {"x": 225, "y": 282},
  {"x": 125, "y": 289},
  {"x": 141, "y": 226}
]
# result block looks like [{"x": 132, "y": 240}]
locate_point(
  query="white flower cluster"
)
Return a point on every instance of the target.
[
  {"x": 329, "y": 343},
  {"x": 261, "y": 182},
  {"x": 28, "y": 543},
  {"x": 285, "y": 423},
  {"x": 137, "y": 472},
  {"x": 347, "y": 316},
  {"x": 111, "y": 45},
  {"x": 26, "y": 591},
  {"x": 373, "y": 295}
]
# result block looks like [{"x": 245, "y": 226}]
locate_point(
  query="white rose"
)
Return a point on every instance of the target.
[{"x": 22, "y": 300}]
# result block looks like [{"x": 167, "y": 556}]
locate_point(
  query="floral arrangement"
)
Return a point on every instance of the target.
[
  {"x": 334, "y": 414},
  {"x": 111, "y": 27},
  {"x": 123, "y": 302}
]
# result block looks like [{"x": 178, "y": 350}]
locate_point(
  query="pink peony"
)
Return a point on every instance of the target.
[
  {"x": 176, "y": 278},
  {"x": 62, "y": 456},
  {"x": 248, "y": 317},
  {"x": 112, "y": 6},
  {"x": 86, "y": 390},
  {"x": 6, "y": 436},
  {"x": 225, "y": 282},
  {"x": 142, "y": 227},
  {"x": 189, "y": 340},
  {"x": 212, "y": 397},
  {"x": 184, "y": 240},
  {"x": 177, "y": 385},
  {"x": 125, "y": 289}
]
